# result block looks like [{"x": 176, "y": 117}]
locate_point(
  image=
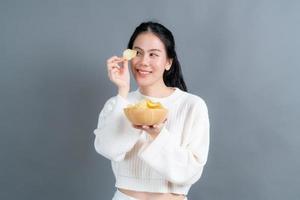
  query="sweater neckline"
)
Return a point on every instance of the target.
[{"x": 175, "y": 94}]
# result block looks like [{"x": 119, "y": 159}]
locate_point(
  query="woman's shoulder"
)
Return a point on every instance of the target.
[
  {"x": 132, "y": 95},
  {"x": 193, "y": 100}
]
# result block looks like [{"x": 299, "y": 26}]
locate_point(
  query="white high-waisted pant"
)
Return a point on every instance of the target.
[{"x": 121, "y": 196}]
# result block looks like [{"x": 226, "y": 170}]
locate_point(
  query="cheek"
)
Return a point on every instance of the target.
[
  {"x": 133, "y": 62},
  {"x": 159, "y": 65}
]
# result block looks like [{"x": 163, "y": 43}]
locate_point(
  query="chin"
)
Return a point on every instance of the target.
[{"x": 143, "y": 83}]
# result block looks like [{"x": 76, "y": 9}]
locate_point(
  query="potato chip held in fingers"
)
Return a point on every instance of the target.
[{"x": 128, "y": 54}]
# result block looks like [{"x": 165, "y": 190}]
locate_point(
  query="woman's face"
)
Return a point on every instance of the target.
[{"x": 151, "y": 60}]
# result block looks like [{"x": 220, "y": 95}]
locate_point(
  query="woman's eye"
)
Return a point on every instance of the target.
[
  {"x": 153, "y": 55},
  {"x": 138, "y": 53}
]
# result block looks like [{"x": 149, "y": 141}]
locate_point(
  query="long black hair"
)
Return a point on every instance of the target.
[{"x": 172, "y": 77}]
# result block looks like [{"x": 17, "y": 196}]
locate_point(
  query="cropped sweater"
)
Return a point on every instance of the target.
[{"x": 171, "y": 162}]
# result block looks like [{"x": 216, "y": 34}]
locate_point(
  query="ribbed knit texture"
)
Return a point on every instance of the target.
[{"x": 170, "y": 163}]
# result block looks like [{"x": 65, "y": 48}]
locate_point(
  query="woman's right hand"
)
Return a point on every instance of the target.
[{"x": 118, "y": 73}]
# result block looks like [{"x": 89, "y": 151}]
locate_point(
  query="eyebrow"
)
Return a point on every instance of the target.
[{"x": 148, "y": 50}]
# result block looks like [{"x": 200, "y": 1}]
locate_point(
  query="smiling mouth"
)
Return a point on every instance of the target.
[{"x": 143, "y": 72}]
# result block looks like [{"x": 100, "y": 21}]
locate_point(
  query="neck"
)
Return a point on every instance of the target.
[{"x": 156, "y": 91}]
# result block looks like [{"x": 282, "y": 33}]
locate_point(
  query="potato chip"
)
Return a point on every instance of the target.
[
  {"x": 146, "y": 112},
  {"x": 154, "y": 105},
  {"x": 128, "y": 54},
  {"x": 147, "y": 103}
]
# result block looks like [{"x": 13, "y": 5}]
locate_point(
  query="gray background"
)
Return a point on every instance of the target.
[{"x": 242, "y": 57}]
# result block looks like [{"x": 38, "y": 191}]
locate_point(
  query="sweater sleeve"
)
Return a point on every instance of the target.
[
  {"x": 115, "y": 135},
  {"x": 181, "y": 164}
]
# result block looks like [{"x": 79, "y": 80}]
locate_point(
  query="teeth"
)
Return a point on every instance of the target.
[{"x": 143, "y": 72}]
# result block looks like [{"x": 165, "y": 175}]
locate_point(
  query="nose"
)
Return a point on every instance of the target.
[{"x": 145, "y": 60}]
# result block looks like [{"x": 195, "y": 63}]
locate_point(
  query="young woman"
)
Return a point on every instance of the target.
[{"x": 162, "y": 161}]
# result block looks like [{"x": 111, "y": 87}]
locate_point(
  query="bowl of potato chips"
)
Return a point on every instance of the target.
[{"x": 146, "y": 112}]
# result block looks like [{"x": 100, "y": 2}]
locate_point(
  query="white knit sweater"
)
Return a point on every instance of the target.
[{"x": 171, "y": 162}]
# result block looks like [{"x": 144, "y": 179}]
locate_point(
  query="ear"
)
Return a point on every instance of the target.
[{"x": 169, "y": 64}]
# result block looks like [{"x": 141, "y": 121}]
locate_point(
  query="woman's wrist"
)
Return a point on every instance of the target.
[{"x": 123, "y": 92}]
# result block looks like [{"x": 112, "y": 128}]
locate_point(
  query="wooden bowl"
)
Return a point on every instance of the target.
[{"x": 145, "y": 116}]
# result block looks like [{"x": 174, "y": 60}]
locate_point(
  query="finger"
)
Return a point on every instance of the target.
[
  {"x": 145, "y": 127},
  {"x": 115, "y": 74},
  {"x": 115, "y": 70},
  {"x": 140, "y": 128},
  {"x": 125, "y": 64},
  {"x": 136, "y": 126},
  {"x": 115, "y": 59},
  {"x": 112, "y": 65},
  {"x": 158, "y": 126},
  {"x": 112, "y": 71},
  {"x": 111, "y": 59}
]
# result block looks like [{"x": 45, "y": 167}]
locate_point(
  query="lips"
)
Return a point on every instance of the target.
[{"x": 143, "y": 72}]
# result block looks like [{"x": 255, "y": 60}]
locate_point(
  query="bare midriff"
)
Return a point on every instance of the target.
[{"x": 151, "y": 195}]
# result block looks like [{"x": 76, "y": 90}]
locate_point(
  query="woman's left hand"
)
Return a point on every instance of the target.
[{"x": 152, "y": 130}]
